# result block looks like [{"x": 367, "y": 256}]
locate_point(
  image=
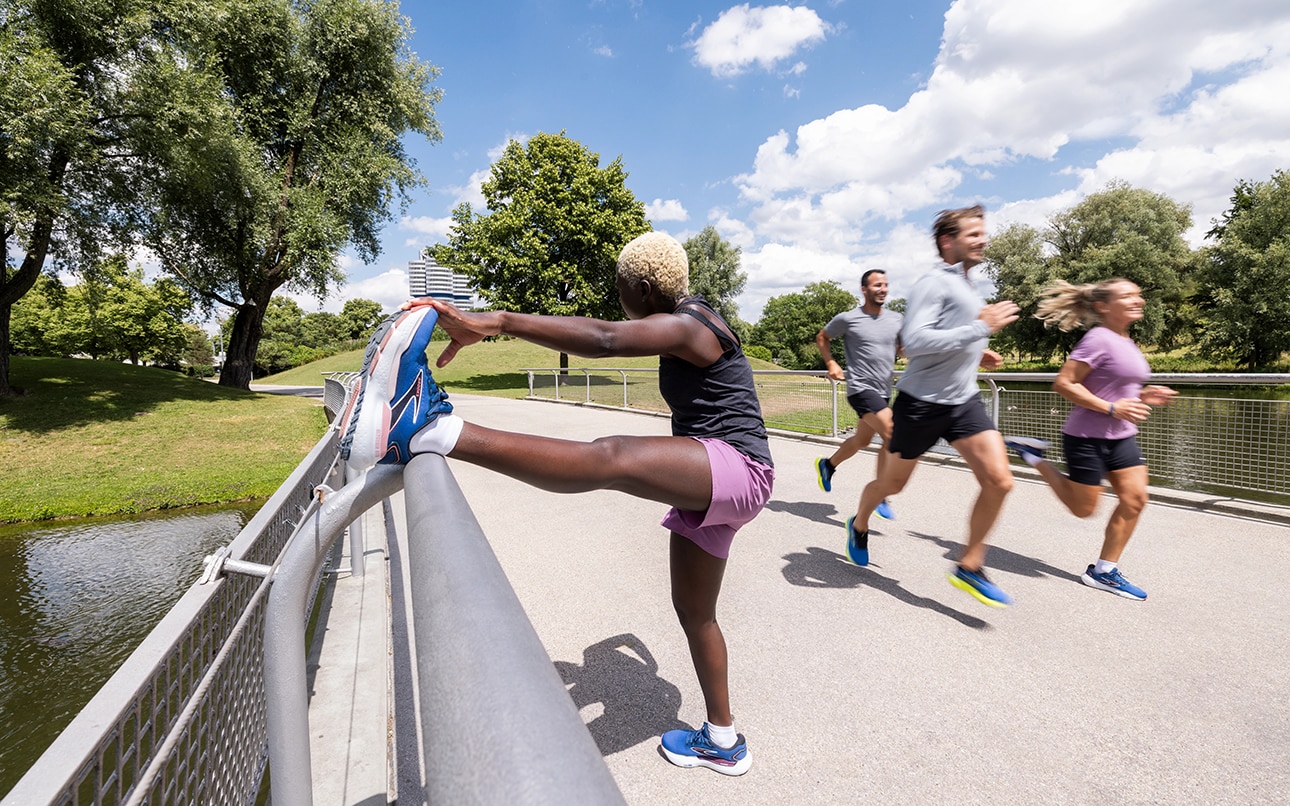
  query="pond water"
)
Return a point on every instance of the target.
[{"x": 75, "y": 600}]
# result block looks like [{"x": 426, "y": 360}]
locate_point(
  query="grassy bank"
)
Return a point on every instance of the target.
[
  {"x": 100, "y": 438},
  {"x": 487, "y": 368}
]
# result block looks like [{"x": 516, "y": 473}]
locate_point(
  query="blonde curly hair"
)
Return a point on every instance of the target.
[{"x": 658, "y": 258}]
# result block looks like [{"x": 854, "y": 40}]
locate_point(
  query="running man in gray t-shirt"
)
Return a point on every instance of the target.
[{"x": 871, "y": 338}]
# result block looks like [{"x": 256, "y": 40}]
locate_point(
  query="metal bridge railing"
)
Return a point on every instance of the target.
[
  {"x": 1203, "y": 441},
  {"x": 218, "y": 691}
]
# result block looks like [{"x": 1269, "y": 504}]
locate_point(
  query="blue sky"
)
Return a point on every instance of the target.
[{"x": 822, "y": 137}]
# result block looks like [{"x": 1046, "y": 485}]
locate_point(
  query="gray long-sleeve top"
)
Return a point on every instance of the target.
[{"x": 943, "y": 337}]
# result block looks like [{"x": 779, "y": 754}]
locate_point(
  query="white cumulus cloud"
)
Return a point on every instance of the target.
[
  {"x": 665, "y": 210},
  {"x": 744, "y": 36}
]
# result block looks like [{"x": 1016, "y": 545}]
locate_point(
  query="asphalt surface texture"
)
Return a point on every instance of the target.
[{"x": 885, "y": 684}]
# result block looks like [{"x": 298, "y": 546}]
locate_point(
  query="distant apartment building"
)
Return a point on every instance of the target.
[{"x": 426, "y": 278}]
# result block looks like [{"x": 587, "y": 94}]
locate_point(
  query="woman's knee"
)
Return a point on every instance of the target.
[{"x": 1133, "y": 501}]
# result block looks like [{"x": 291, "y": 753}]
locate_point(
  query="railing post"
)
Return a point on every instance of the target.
[
  {"x": 285, "y": 676},
  {"x": 833, "y": 385},
  {"x": 357, "y": 545},
  {"x": 624, "y": 374}
]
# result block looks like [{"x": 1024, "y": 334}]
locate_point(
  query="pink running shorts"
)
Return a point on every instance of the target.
[{"x": 740, "y": 488}]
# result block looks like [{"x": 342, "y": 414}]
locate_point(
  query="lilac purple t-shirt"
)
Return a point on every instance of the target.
[{"x": 1118, "y": 370}]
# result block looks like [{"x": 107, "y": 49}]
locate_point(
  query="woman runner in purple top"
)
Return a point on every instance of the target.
[{"x": 1103, "y": 377}]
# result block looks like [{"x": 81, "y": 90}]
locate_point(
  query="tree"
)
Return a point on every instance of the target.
[
  {"x": 1242, "y": 290},
  {"x": 714, "y": 272},
  {"x": 70, "y": 79},
  {"x": 289, "y": 149},
  {"x": 359, "y": 317},
  {"x": 556, "y": 223},
  {"x": 1017, "y": 264},
  {"x": 789, "y": 323},
  {"x": 1118, "y": 232}
]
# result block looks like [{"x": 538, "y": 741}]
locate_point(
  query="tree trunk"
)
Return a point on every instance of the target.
[
  {"x": 5, "y": 389},
  {"x": 243, "y": 343},
  {"x": 12, "y": 289}
]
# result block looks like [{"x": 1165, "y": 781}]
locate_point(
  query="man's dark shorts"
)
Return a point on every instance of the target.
[
  {"x": 917, "y": 424},
  {"x": 1089, "y": 459},
  {"x": 867, "y": 401}
]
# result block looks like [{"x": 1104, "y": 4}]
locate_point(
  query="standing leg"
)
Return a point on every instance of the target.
[
  {"x": 1130, "y": 486},
  {"x": 986, "y": 455},
  {"x": 696, "y": 584}
]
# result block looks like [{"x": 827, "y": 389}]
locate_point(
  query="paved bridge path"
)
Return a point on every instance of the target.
[{"x": 887, "y": 685}]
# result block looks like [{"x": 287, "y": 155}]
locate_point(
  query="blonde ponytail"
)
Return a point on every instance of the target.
[{"x": 1067, "y": 306}]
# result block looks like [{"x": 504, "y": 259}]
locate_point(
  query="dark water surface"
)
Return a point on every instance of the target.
[{"x": 75, "y": 600}]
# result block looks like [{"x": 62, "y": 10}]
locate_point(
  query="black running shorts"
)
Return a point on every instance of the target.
[
  {"x": 867, "y": 401},
  {"x": 1089, "y": 459},
  {"x": 917, "y": 424}
]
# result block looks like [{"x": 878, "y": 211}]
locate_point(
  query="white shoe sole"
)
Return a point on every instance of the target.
[
  {"x": 373, "y": 425},
  {"x": 1093, "y": 583},
  {"x": 738, "y": 768}
]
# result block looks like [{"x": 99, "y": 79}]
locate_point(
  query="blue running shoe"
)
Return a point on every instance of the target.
[
  {"x": 857, "y": 543},
  {"x": 397, "y": 395},
  {"x": 884, "y": 511},
  {"x": 824, "y": 471},
  {"x": 695, "y": 748},
  {"x": 1027, "y": 446},
  {"x": 1114, "y": 582},
  {"x": 976, "y": 583}
]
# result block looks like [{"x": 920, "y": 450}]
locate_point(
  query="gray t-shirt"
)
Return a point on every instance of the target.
[
  {"x": 870, "y": 343},
  {"x": 943, "y": 338}
]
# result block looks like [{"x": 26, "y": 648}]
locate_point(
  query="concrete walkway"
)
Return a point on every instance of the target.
[{"x": 885, "y": 684}]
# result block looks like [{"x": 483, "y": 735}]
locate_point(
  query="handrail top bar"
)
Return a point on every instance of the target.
[{"x": 1208, "y": 378}]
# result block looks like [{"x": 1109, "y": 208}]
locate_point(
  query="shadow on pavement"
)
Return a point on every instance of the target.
[
  {"x": 1001, "y": 559},
  {"x": 820, "y": 513},
  {"x": 821, "y": 568},
  {"x": 622, "y": 675}
]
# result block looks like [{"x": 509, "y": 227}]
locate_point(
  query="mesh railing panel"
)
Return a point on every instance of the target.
[
  {"x": 218, "y": 755},
  {"x": 1229, "y": 446},
  {"x": 1195, "y": 443}
]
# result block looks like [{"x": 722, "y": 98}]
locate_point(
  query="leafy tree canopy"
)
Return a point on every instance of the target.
[
  {"x": 714, "y": 273},
  {"x": 1242, "y": 291},
  {"x": 286, "y": 147},
  {"x": 555, "y": 225},
  {"x": 789, "y": 323},
  {"x": 1119, "y": 232}
]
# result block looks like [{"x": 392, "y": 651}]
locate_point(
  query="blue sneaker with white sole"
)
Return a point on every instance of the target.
[
  {"x": 397, "y": 395},
  {"x": 884, "y": 511},
  {"x": 695, "y": 748},
  {"x": 981, "y": 588},
  {"x": 1114, "y": 582},
  {"x": 1027, "y": 447},
  {"x": 857, "y": 543}
]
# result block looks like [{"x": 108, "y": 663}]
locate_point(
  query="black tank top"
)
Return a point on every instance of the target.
[{"x": 718, "y": 400}]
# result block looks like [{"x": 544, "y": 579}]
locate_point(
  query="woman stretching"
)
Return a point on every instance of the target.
[
  {"x": 715, "y": 471},
  {"x": 1103, "y": 377}
]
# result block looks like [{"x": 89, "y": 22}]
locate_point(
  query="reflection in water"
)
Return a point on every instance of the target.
[{"x": 75, "y": 601}]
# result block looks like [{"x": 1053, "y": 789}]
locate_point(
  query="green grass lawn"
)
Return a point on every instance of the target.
[
  {"x": 490, "y": 367},
  {"x": 101, "y": 438}
]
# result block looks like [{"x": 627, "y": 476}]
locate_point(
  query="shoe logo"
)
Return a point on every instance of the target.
[{"x": 412, "y": 398}]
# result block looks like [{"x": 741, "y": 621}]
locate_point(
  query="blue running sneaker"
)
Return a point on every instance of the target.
[
  {"x": 397, "y": 395},
  {"x": 857, "y": 543},
  {"x": 884, "y": 511},
  {"x": 975, "y": 583},
  {"x": 824, "y": 471},
  {"x": 1114, "y": 582},
  {"x": 695, "y": 748},
  {"x": 1027, "y": 446}
]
